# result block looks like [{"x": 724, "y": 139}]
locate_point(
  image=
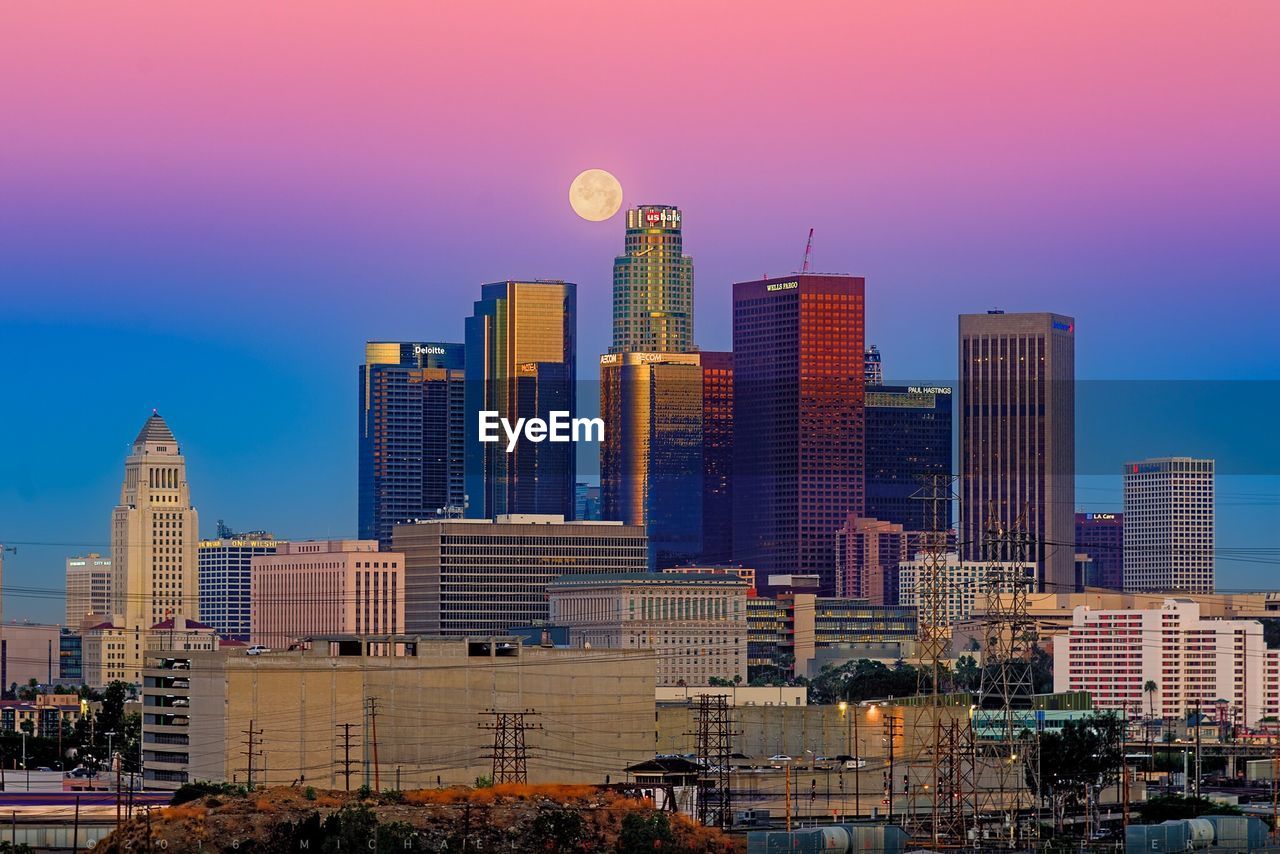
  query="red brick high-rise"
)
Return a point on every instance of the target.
[{"x": 798, "y": 345}]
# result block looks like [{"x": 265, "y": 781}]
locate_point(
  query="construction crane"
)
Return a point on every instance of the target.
[{"x": 808, "y": 251}]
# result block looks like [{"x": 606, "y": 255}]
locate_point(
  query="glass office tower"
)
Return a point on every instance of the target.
[{"x": 520, "y": 346}]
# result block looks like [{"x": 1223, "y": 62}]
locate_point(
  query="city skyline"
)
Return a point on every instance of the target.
[{"x": 260, "y": 265}]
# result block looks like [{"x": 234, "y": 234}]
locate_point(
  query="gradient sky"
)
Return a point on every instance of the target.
[{"x": 207, "y": 207}]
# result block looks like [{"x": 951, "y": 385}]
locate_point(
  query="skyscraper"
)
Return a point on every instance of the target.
[
  {"x": 717, "y": 456},
  {"x": 521, "y": 347},
  {"x": 651, "y": 464},
  {"x": 908, "y": 438},
  {"x": 1169, "y": 525},
  {"x": 411, "y": 398},
  {"x": 225, "y": 570},
  {"x": 154, "y": 530},
  {"x": 798, "y": 421},
  {"x": 653, "y": 285},
  {"x": 1017, "y": 435},
  {"x": 1101, "y": 537}
]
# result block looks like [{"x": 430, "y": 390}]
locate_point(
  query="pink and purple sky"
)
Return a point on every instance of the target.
[{"x": 207, "y": 207}]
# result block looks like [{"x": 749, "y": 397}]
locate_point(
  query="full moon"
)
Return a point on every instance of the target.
[{"x": 595, "y": 195}]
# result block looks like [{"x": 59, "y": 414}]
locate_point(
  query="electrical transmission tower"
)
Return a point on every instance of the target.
[
  {"x": 933, "y": 628},
  {"x": 1010, "y": 764},
  {"x": 940, "y": 770},
  {"x": 510, "y": 757},
  {"x": 713, "y": 744}
]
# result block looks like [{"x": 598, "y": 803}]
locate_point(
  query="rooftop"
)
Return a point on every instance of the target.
[
  {"x": 671, "y": 579},
  {"x": 154, "y": 430}
]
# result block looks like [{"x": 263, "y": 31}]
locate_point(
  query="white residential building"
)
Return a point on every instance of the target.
[
  {"x": 1113, "y": 654},
  {"x": 966, "y": 584}
]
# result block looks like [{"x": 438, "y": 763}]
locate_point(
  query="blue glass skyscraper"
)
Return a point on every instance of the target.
[{"x": 411, "y": 398}]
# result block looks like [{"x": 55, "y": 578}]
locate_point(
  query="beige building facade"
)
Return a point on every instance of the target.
[
  {"x": 593, "y": 712},
  {"x": 695, "y": 625},
  {"x": 317, "y": 587},
  {"x": 88, "y": 587},
  {"x": 106, "y": 650},
  {"x": 484, "y": 577},
  {"x": 154, "y": 530}
]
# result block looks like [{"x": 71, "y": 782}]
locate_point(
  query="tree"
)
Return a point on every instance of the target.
[
  {"x": 1175, "y": 807},
  {"x": 863, "y": 680},
  {"x": 968, "y": 675},
  {"x": 645, "y": 832},
  {"x": 1084, "y": 753},
  {"x": 1041, "y": 670}
]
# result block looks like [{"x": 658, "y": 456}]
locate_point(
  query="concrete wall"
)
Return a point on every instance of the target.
[{"x": 595, "y": 709}]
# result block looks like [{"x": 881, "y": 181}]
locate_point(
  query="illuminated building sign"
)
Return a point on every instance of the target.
[
  {"x": 1064, "y": 327},
  {"x": 1103, "y": 517},
  {"x": 662, "y": 217},
  {"x": 609, "y": 359},
  {"x": 928, "y": 389},
  {"x": 238, "y": 544},
  {"x": 431, "y": 350},
  {"x": 782, "y": 286}
]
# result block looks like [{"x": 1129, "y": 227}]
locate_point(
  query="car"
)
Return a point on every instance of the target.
[
  {"x": 44, "y": 768},
  {"x": 256, "y": 649},
  {"x": 778, "y": 759}
]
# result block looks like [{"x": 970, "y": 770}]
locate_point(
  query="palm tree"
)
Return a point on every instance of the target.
[{"x": 1151, "y": 689}]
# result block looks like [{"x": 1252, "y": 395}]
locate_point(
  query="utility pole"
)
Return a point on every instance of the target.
[
  {"x": 510, "y": 757},
  {"x": 892, "y": 729},
  {"x": 1197, "y": 782},
  {"x": 346, "y": 753},
  {"x": 250, "y": 751},
  {"x": 1124, "y": 774},
  {"x": 373, "y": 724},
  {"x": 787, "y": 769}
]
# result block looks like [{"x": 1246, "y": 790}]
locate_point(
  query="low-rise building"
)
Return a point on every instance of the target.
[
  {"x": 29, "y": 651},
  {"x": 317, "y": 587},
  {"x": 796, "y": 630},
  {"x": 105, "y": 650},
  {"x": 695, "y": 624}
]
